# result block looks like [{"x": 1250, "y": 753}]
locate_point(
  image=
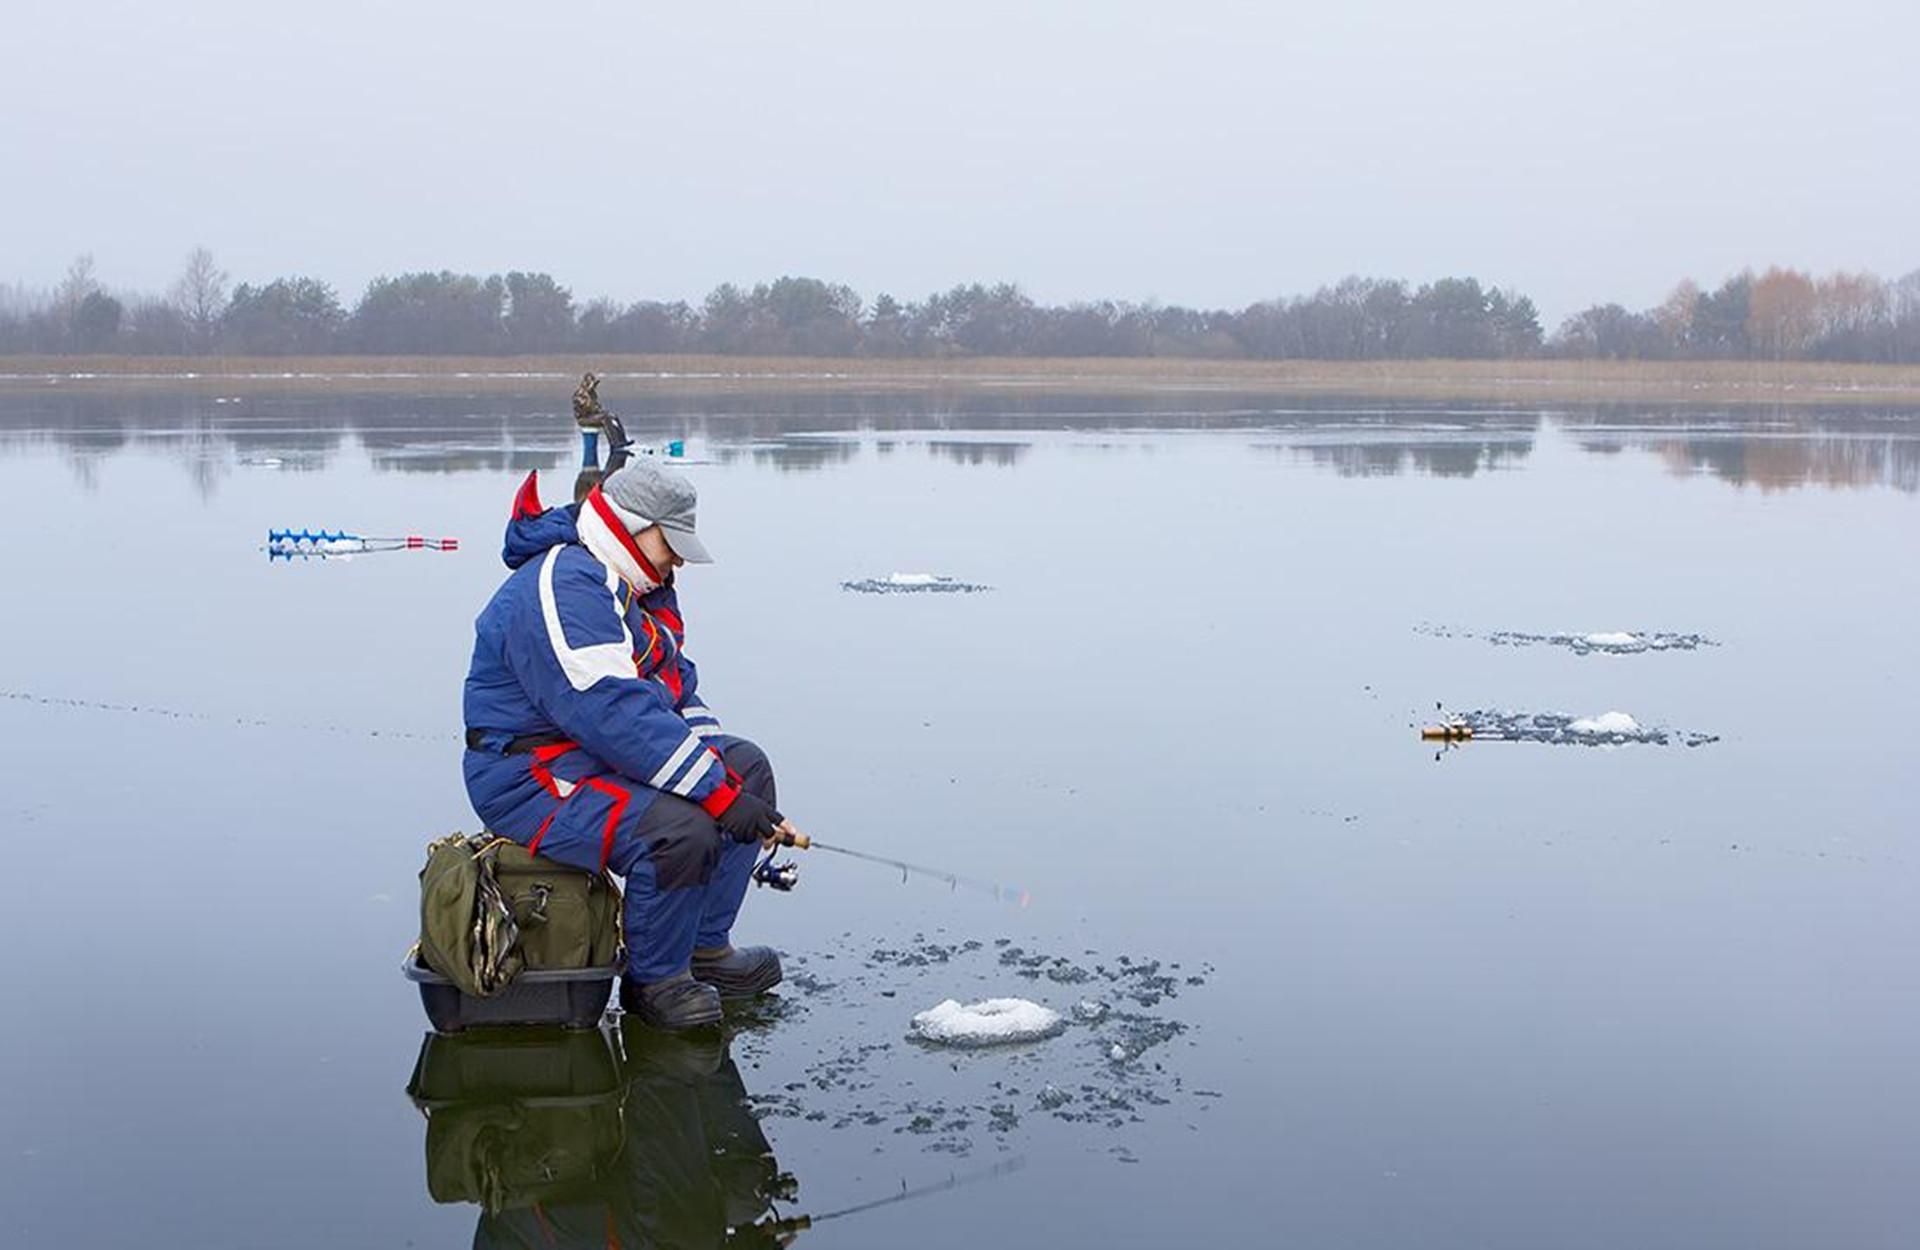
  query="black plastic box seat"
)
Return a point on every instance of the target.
[
  {"x": 533, "y": 1066},
  {"x": 574, "y": 998},
  {"x": 517, "y": 1118}
]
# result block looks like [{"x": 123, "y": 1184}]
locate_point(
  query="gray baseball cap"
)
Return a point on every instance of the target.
[{"x": 659, "y": 497}]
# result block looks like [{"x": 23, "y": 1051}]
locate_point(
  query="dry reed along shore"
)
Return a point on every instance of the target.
[{"x": 1531, "y": 382}]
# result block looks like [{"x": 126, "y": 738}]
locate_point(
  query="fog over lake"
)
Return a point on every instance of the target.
[{"x": 1211, "y": 154}]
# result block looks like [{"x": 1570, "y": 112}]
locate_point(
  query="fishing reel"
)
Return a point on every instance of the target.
[
  {"x": 774, "y": 1230},
  {"x": 779, "y": 876},
  {"x": 782, "y": 1187}
]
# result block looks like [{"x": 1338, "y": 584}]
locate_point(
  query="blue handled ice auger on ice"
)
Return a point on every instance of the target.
[{"x": 308, "y": 545}]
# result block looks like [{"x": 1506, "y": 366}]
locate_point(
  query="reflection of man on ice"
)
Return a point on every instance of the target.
[
  {"x": 693, "y": 1168},
  {"x": 587, "y": 740},
  {"x": 589, "y": 415}
]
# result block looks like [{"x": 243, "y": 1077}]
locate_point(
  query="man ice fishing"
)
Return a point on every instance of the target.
[{"x": 587, "y": 740}]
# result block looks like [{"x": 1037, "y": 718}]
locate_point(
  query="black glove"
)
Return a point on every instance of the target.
[{"x": 749, "y": 818}]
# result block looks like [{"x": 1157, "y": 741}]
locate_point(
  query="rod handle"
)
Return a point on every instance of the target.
[
  {"x": 799, "y": 841},
  {"x": 1446, "y": 733}
]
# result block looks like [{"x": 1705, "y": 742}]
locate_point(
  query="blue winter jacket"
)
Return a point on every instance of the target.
[{"x": 583, "y": 644}]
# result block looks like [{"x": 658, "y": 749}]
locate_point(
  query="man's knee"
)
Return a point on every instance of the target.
[
  {"x": 678, "y": 838},
  {"x": 753, "y": 767}
]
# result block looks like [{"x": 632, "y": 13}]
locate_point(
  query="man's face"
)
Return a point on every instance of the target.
[{"x": 653, "y": 544}]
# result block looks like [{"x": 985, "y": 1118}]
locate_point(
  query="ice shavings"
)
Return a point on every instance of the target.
[
  {"x": 990, "y": 1022},
  {"x": 1606, "y": 723},
  {"x": 838, "y": 1075},
  {"x": 1556, "y": 728},
  {"x": 1599, "y": 642},
  {"x": 913, "y": 583}
]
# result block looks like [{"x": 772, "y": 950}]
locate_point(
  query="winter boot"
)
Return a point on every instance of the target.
[
  {"x": 675, "y": 1002},
  {"x": 694, "y": 1056},
  {"x": 739, "y": 972}
]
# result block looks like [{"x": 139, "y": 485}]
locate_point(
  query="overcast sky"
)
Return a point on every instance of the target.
[{"x": 1192, "y": 151}]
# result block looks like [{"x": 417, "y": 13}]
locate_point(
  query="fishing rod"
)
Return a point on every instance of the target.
[
  {"x": 1460, "y": 731},
  {"x": 1457, "y": 729},
  {"x": 781, "y": 876},
  {"x": 786, "y": 1226},
  {"x": 305, "y": 544},
  {"x": 784, "y": 876}
]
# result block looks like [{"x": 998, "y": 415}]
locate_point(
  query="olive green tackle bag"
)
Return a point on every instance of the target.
[
  {"x": 567, "y": 918},
  {"x": 489, "y": 908}
]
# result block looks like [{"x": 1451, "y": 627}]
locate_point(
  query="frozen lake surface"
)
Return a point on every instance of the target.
[{"x": 1320, "y": 984}]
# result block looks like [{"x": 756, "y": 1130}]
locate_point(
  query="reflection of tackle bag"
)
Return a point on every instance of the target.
[
  {"x": 488, "y": 908},
  {"x": 520, "y": 1120}
]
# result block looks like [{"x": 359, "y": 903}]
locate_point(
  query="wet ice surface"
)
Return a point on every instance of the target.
[
  {"x": 1612, "y": 728},
  {"x": 1107, "y": 1057},
  {"x": 1461, "y": 1006},
  {"x": 1598, "y": 642},
  {"x": 215, "y": 720},
  {"x": 913, "y": 584}
]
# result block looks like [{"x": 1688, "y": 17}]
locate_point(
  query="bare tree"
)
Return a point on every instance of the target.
[
  {"x": 75, "y": 287},
  {"x": 1849, "y": 304},
  {"x": 201, "y": 296},
  {"x": 1905, "y": 330}
]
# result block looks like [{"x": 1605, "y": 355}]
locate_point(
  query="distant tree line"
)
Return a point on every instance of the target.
[{"x": 1781, "y": 314}]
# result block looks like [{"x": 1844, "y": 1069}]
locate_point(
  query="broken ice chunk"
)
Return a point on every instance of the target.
[
  {"x": 991, "y": 1022},
  {"x": 1606, "y": 723}
]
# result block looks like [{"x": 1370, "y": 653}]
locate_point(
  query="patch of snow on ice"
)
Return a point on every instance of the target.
[
  {"x": 1606, "y": 723},
  {"x": 992, "y": 1022},
  {"x": 1612, "y": 640},
  {"x": 912, "y": 579}
]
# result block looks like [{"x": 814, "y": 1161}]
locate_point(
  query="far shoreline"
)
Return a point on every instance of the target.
[{"x": 1533, "y": 382}]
